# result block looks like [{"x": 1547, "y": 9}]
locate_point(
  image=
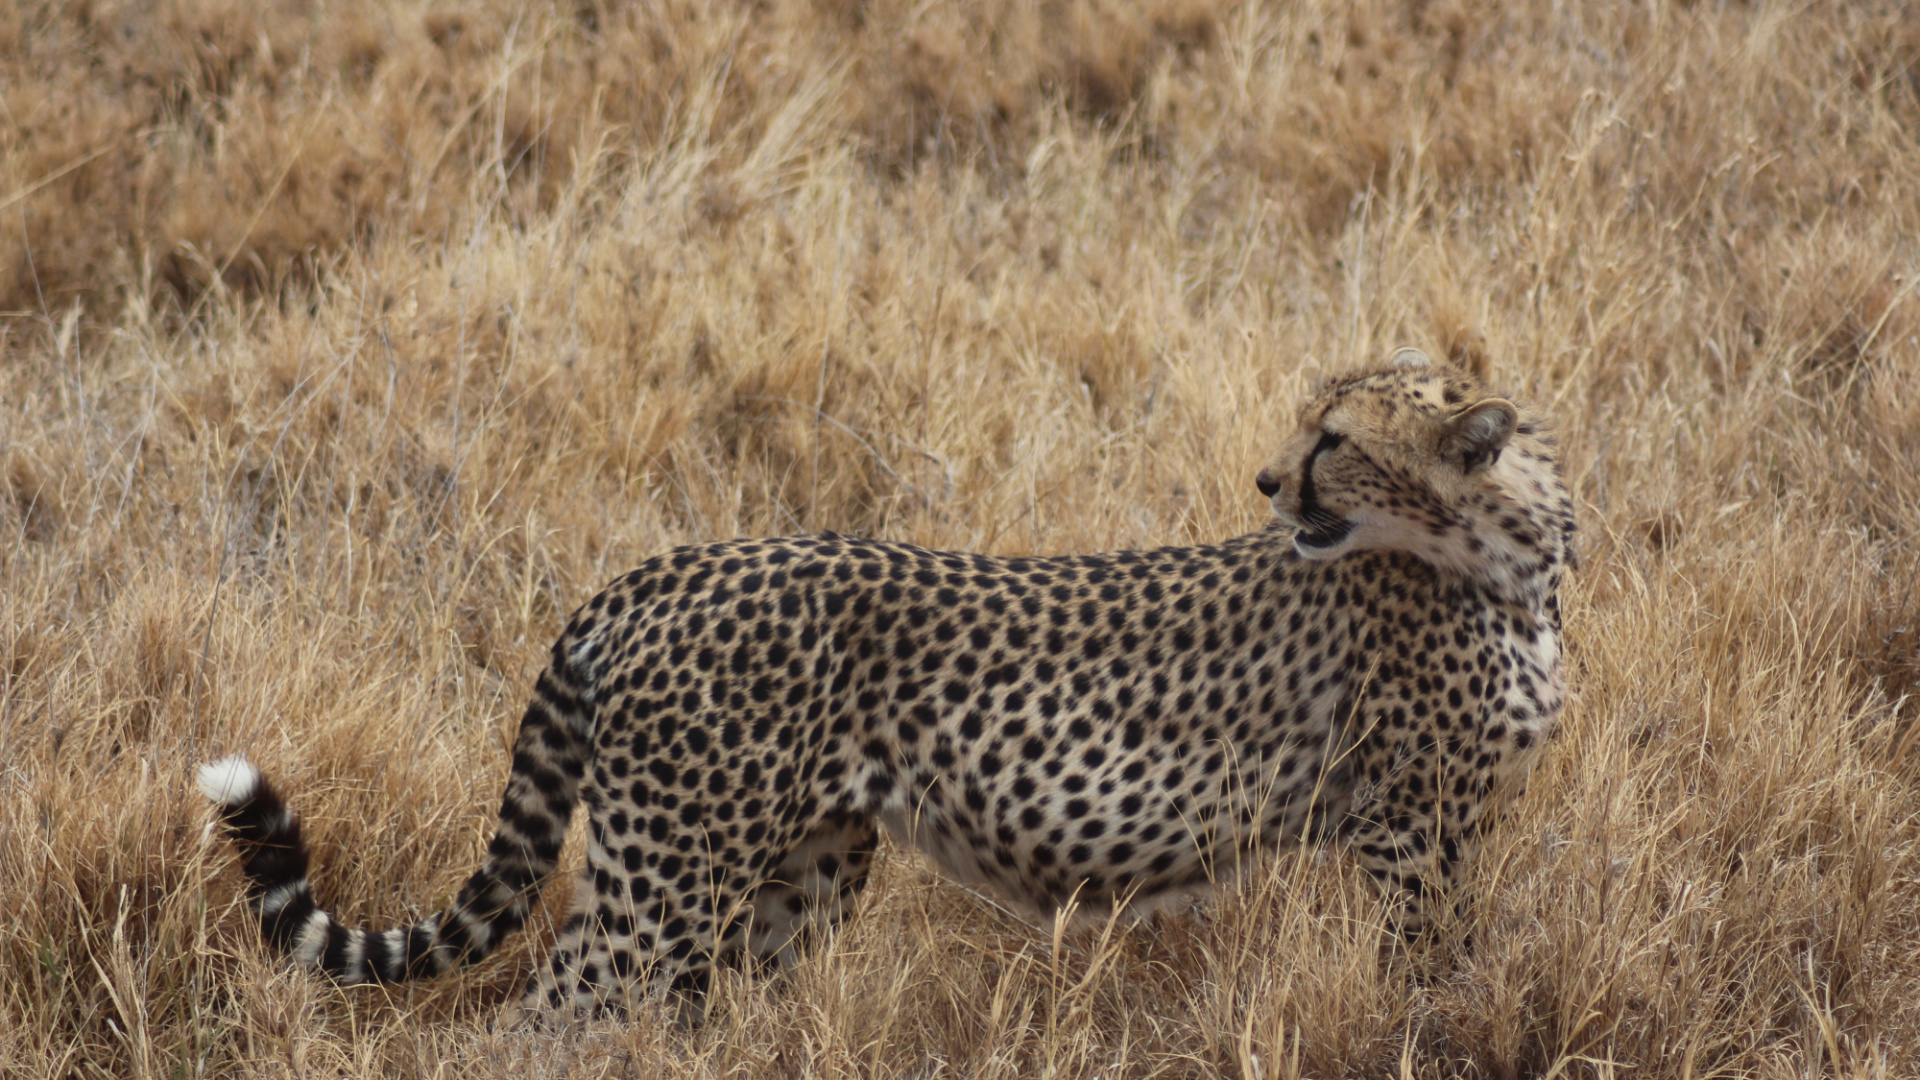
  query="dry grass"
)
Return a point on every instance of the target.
[{"x": 352, "y": 344}]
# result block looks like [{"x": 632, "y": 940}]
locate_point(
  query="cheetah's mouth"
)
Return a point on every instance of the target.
[{"x": 1322, "y": 530}]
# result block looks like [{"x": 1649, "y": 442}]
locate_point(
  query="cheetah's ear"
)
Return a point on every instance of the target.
[
  {"x": 1476, "y": 435},
  {"x": 1410, "y": 358}
]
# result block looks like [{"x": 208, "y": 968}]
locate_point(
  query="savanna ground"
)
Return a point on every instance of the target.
[{"x": 348, "y": 344}]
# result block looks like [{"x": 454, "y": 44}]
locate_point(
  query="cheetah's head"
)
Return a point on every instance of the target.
[{"x": 1422, "y": 458}]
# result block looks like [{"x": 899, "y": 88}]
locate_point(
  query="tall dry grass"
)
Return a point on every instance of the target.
[{"x": 349, "y": 345}]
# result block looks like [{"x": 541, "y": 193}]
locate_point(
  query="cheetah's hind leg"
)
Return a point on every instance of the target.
[
  {"x": 634, "y": 935},
  {"x": 810, "y": 891}
]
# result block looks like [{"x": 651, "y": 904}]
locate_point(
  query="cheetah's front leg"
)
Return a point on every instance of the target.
[{"x": 1415, "y": 824}]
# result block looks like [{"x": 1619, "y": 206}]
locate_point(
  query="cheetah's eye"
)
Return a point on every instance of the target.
[{"x": 1329, "y": 442}]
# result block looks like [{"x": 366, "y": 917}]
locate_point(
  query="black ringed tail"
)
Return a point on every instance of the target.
[{"x": 549, "y": 757}]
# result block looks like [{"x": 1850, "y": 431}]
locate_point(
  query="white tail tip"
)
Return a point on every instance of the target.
[{"x": 229, "y": 781}]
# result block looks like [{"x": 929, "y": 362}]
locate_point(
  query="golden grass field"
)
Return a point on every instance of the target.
[{"x": 347, "y": 345}]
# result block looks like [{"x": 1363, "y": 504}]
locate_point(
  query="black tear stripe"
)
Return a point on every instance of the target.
[
  {"x": 549, "y": 759},
  {"x": 1317, "y": 519}
]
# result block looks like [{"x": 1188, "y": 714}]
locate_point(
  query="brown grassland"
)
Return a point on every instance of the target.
[{"x": 348, "y": 344}]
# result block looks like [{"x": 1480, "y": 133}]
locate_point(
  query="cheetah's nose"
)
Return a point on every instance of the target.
[{"x": 1267, "y": 484}]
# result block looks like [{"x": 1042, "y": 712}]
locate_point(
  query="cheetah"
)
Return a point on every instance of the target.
[{"x": 1378, "y": 666}]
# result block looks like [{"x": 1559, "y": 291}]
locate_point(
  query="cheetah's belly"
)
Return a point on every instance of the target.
[{"x": 1169, "y": 815}]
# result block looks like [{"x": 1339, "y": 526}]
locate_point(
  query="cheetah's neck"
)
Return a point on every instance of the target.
[{"x": 1514, "y": 537}]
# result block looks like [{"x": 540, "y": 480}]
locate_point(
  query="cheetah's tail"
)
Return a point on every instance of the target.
[{"x": 549, "y": 757}]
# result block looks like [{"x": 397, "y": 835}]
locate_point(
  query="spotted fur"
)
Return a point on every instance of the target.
[{"x": 1380, "y": 665}]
